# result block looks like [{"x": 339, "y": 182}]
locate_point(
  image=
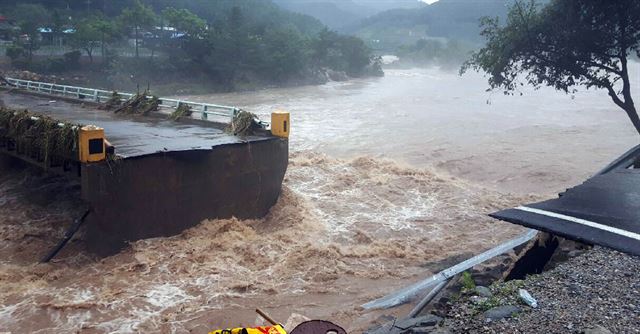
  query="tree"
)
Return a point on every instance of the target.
[
  {"x": 566, "y": 44},
  {"x": 30, "y": 18},
  {"x": 321, "y": 44},
  {"x": 184, "y": 21},
  {"x": 137, "y": 17},
  {"x": 356, "y": 54},
  {"x": 58, "y": 23},
  {"x": 283, "y": 55},
  {"x": 108, "y": 31},
  {"x": 86, "y": 37},
  {"x": 93, "y": 32}
]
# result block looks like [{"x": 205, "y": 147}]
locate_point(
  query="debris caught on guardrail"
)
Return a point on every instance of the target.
[
  {"x": 183, "y": 110},
  {"x": 243, "y": 124},
  {"x": 114, "y": 101},
  {"x": 41, "y": 137},
  {"x": 140, "y": 104}
]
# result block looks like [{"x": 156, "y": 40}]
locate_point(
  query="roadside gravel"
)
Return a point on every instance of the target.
[{"x": 596, "y": 292}]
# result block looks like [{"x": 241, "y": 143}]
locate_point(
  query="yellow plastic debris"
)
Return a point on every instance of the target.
[{"x": 258, "y": 330}]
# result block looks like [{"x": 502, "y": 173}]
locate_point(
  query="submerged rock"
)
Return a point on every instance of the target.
[
  {"x": 483, "y": 291},
  {"x": 501, "y": 312}
]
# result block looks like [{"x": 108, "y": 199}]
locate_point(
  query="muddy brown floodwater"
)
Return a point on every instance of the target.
[{"x": 389, "y": 180}]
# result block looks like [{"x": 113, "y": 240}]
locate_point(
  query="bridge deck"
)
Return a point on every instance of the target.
[
  {"x": 604, "y": 210},
  {"x": 131, "y": 135}
]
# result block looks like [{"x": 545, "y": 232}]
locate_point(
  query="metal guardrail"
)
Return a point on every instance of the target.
[
  {"x": 206, "y": 110},
  {"x": 404, "y": 295}
]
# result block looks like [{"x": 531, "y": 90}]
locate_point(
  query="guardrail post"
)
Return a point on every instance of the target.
[
  {"x": 205, "y": 110},
  {"x": 95, "y": 96}
]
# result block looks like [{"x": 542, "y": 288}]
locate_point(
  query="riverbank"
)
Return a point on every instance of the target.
[{"x": 161, "y": 81}]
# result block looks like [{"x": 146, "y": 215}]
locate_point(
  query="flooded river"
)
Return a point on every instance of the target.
[
  {"x": 390, "y": 179},
  {"x": 541, "y": 142}
]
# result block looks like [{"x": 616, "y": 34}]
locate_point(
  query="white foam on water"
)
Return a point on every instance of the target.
[{"x": 166, "y": 295}]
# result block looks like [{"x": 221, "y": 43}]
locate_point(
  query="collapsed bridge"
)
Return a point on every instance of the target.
[{"x": 147, "y": 175}]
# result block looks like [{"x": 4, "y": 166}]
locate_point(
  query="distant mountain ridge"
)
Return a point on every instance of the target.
[
  {"x": 337, "y": 14},
  {"x": 450, "y": 19}
]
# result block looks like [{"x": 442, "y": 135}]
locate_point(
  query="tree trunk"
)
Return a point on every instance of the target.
[
  {"x": 102, "y": 46},
  {"x": 628, "y": 105},
  {"x": 137, "y": 52},
  {"x": 633, "y": 115},
  {"x": 90, "y": 54}
]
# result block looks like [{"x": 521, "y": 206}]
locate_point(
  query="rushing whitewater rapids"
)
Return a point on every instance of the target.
[{"x": 388, "y": 178}]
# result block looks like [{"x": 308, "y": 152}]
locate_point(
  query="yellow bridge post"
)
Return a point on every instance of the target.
[
  {"x": 91, "y": 144},
  {"x": 280, "y": 123}
]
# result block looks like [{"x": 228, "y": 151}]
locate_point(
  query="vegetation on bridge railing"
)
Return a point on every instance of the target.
[
  {"x": 243, "y": 124},
  {"x": 140, "y": 103},
  {"x": 183, "y": 110},
  {"x": 38, "y": 137},
  {"x": 111, "y": 98}
]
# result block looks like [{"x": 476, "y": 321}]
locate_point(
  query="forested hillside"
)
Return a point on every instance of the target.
[{"x": 229, "y": 44}]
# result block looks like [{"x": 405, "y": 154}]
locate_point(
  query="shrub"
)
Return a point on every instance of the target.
[
  {"x": 72, "y": 59},
  {"x": 56, "y": 65},
  {"x": 467, "y": 282},
  {"x": 14, "y": 52}
]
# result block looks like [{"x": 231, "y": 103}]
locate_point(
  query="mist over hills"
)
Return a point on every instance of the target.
[
  {"x": 448, "y": 19},
  {"x": 388, "y": 24},
  {"x": 337, "y": 14}
]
